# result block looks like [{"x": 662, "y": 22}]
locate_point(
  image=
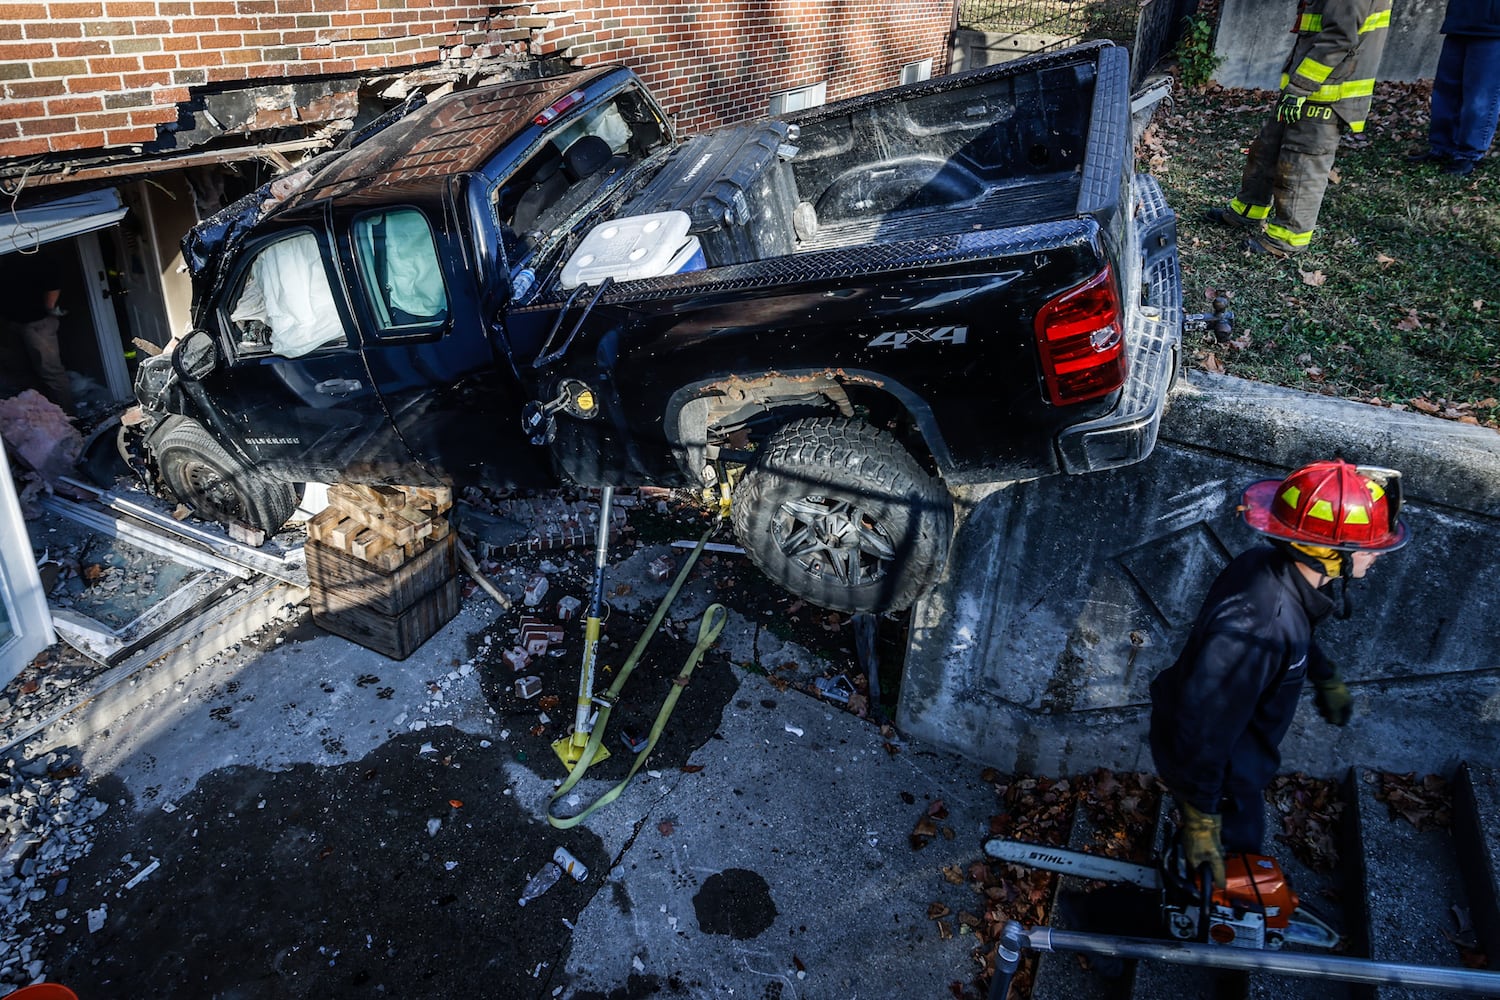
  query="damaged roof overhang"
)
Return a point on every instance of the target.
[{"x": 252, "y": 123}]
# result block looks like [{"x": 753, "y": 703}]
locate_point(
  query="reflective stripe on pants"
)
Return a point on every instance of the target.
[{"x": 1287, "y": 168}]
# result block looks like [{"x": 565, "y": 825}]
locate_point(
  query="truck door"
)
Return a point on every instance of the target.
[
  {"x": 294, "y": 387},
  {"x": 453, "y": 398}
]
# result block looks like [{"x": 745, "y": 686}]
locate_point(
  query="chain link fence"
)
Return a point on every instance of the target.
[
  {"x": 1075, "y": 19},
  {"x": 1149, "y": 28}
]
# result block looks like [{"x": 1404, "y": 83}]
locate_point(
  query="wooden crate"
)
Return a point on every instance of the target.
[
  {"x": 390, "y": 611},
  {"x": 395, "y": 636}
]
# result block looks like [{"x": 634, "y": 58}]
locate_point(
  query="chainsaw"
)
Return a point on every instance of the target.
[{"x": 1256, "y": 909}]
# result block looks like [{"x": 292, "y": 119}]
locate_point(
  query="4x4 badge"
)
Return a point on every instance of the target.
[{"x": 932, "y": 335}]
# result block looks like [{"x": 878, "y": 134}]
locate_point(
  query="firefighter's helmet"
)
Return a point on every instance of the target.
[{"x": 1332, "y": 505}]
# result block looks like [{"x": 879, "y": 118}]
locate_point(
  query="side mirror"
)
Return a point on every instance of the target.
[{"x": 195, "y": 356}]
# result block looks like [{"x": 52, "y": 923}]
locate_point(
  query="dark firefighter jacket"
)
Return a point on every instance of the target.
[
  {"x": 1339, "y": 43},
  {"x": 1230, "y": 697}
]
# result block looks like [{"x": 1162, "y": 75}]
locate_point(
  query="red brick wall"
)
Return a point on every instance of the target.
[{"x": 83, "y": 75}]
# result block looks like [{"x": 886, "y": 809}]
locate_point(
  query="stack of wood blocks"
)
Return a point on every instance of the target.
[
  {"x": 382, "y": 525},
  {"x": 383, "y": 565}
]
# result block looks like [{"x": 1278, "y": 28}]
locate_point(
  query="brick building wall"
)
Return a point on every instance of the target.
[{"x": 91, "y": 76}]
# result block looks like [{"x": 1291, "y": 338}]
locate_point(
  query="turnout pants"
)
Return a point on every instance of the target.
[{"x": 1286, "y": 173}]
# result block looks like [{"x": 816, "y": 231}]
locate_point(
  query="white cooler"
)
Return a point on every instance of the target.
[{"x": 637, "y": 246}]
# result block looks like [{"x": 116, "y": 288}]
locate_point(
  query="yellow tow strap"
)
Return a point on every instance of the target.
[{"x": 708, "y": 631}]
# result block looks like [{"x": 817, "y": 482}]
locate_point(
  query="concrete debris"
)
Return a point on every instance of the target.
[{"x": 46, "y": 823}]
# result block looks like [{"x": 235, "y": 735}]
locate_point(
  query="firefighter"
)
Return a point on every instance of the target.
[
  {"x": 1219, "y": 713},
  {"x": 1329, "y": 78}
]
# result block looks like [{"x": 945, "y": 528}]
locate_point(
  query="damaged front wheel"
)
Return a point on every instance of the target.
[{"x": 218, "y": 487}]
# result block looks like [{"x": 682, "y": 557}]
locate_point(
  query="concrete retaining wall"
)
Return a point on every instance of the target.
[
  {"x": 1255, "y": 37},
  {"x": 1063, "y": 597}
]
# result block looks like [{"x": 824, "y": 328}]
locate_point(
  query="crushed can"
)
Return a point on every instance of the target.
[
  {"x": 633, "y": 739},
  {"x": 565, "y": 860}
]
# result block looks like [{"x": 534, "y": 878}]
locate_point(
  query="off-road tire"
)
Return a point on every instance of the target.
[
  {"x": 216, "y": 486},
  {"x": 820, "y": 484}
]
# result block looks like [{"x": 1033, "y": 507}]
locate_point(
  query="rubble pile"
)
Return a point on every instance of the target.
[{"x": 46, "y": 823}]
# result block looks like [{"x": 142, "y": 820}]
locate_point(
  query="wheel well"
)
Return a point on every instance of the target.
[{"x": 730, "y": 417}]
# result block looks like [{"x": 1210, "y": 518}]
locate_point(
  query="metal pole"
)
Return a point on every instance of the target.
[
  {"x": 1353, "y": 970},
  {"x": 570, "y": 748}
]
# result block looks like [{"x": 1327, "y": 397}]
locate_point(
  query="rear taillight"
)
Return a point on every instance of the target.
[{"x": 1080, "y": 336}]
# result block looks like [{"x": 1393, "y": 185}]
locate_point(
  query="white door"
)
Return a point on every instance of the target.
[{"x": 25, "y": 621}]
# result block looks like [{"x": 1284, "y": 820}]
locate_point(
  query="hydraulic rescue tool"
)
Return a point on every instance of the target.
[{"x": 1256, "y": 909}]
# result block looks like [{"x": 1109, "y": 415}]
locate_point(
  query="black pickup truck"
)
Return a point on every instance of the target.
[{"x": 829, "y": 317}]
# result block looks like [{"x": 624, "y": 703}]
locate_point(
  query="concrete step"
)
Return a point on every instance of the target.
[
  {"x": 1410, "y": 883},
  {"x": 1476, "y": 834},
  {"x": 1326, "y": 893},
  {"x": 1082, "y": 905}
]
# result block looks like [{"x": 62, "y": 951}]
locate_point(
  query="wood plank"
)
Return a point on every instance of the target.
[
  {"x": 368, "y": 544},
  {"x": 341, "y": 535},
  {"x": 321, "y": 523},
  {"x": 389, "y": 524},
  {"x": 353, "y": 496},
  {"x": 438, "y": 499}
]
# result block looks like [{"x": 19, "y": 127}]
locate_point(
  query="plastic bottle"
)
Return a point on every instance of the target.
[
  {"x": 521, "y": 283},
  {"x": 565, "y": 860},
  {"x": 545, "y": 878}
]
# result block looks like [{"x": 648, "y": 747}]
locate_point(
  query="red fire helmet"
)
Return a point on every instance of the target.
[{"x": 1334, "y": 504}]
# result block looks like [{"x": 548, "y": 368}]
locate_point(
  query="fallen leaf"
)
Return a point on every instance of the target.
[
  {"x": 1383, "y": 260},
  {"x": 666, "y": 827},
  {"x": 691, "y": 768},
  {"x": 456, "y": 803},
  {"x": 1212, "y": 363},
  {"x": 797, "y": 963},
  {"x": 1410, "y": 321},
  {"x": 1425, "y": 405},
  {"x": 1333, "y": 175},
  {"x": 953, "y": 874},
  {"x": 1314, "y": 278},
  {"x": 1478, "y": 305},
  {"x": 936, "y": 911}
]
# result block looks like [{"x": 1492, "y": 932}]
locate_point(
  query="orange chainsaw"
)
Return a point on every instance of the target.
[{"x": 1256, "y": 909}]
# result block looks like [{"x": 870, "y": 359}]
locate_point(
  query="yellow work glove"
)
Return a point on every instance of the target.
[
  {"x": 1200, "y": 842},
  {"x": 1331, "y": 696},
  {"x": 1289, "y": 108}
]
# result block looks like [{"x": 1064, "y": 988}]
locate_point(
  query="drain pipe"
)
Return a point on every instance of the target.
[{"x": 1014, "y": 940}]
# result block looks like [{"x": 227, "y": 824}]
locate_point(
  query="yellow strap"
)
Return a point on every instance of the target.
[{"x": 708, "y": 630}]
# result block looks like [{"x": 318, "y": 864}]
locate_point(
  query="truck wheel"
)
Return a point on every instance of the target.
[
  {"x": 838, "y": 513},
  {"x": 216, "y": 486}
]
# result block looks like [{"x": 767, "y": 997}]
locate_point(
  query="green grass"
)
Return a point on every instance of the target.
[{"x": 1395, "y": 301}]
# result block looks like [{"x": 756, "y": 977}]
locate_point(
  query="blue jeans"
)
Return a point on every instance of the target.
[{"x": 1465, "y": 97}]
